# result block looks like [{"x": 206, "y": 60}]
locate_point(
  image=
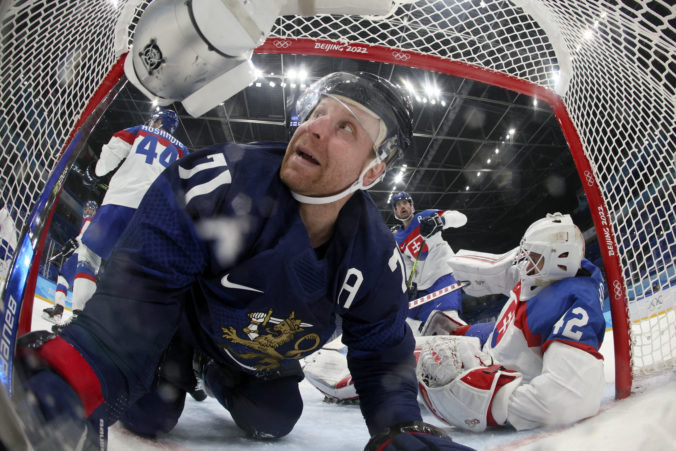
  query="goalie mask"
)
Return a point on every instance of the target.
[
  {"x": 387, "y": 102},
  {"x": 551, "y": 249},
  {"x": 169, "y": 120}
]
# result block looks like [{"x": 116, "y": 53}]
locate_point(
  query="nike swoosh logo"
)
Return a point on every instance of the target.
[{"x": 227, "y": 284}]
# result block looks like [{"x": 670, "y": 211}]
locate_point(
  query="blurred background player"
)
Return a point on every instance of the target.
[
  {"x": 146, "y": 150},
  {"x": 426, "y": 255},
  {"x": 67, "y": 263},
  {"x": 539, "y": 363}
]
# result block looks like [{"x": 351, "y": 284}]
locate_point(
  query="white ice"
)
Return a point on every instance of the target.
[{"x": 645, "y": 421}]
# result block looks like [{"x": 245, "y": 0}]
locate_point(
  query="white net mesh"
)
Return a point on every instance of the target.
[{"x": 612, "y": 63}]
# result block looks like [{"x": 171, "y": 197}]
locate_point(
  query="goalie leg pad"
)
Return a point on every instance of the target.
[
  {"x": 327, "y": 370},
  {"x": 442, "y": 323},
  {"x": 476, "y": 399}
]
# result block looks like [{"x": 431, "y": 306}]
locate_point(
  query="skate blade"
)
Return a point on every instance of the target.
[{"x": 51, "y": 319}]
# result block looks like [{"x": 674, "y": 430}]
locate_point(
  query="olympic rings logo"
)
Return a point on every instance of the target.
[
  {"x": 589, "y": 177},
  {"x": 282, "y": 44},
  {"x": 617, "y": 288},
  {"x": 401, "y": 56}
]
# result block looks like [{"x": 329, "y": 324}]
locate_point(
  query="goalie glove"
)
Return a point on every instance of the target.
[
  {"x": 415, "y": 435},
  {"x": 431, "y": 225},
  {"x": 445, "y": 357},
  {"x": 476, "y": 399}
]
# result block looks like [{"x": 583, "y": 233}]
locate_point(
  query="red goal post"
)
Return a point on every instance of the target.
[{"x": 607, "y": 69}]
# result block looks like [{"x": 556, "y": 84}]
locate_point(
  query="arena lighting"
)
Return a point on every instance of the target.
[{"x": 408, "y": 85}]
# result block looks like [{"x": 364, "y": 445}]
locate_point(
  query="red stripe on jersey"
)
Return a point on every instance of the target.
[
  {"x": 84, "y": 275},
  {"x": 125, "y": 136},
  {"x": 521, "y": 321},
  {"x": 576, "y": 344},
  {"x": 70, "y": 365}
]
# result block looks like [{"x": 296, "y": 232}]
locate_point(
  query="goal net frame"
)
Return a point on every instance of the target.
[{"x": 607, "y": 70}]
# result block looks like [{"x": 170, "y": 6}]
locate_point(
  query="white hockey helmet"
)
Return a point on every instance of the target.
[{"x": 551, "y": 249}]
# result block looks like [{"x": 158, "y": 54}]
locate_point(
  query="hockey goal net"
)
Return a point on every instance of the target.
[{"x": 608, "y": 70}]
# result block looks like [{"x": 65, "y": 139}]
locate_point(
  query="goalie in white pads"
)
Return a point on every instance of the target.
[{"x": 539, "y": 364}]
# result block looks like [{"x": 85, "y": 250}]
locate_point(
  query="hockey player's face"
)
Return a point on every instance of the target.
[
  {"x": 403, "y": 209},
  {"x": 329, "y": 150}
]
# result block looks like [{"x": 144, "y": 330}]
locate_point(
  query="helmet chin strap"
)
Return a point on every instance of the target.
[
  {"x": 357, "y": 185},
  {"x": 404, "y": 219}
]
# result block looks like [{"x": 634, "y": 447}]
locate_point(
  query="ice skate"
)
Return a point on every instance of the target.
[
  {"x": 58, "y": 328},
  {"x": 53, "y": 314}
]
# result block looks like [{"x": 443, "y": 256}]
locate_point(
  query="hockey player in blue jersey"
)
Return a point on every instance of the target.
[
  {"x": 247, "y": 254},
  {"x": 141, "y": 152},
  {"x": 68, "y": 266},
  {"x": 426, "y": 255},
  {"x": 539, "y": 363}
]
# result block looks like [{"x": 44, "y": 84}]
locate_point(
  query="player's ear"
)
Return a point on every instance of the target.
[{"x": 373, "y": 173}]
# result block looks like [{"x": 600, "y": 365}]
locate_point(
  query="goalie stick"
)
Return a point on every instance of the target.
[{"x": 435, "y": 294}]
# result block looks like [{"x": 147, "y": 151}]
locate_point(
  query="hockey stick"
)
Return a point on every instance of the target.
[
  {"x": 436, "y": 294},
  {"x": 415, "y": 263}
]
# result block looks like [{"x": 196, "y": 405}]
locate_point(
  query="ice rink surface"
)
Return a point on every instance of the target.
[{"x": 643, "y": 422}]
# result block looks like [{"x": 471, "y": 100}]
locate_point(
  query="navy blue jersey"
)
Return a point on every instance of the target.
[{"x": 218, "y": 240}]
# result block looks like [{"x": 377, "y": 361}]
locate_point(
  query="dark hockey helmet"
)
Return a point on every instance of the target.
[
  {"x": 169, "y": 120},
  {"x": 400, "y": 196},
  {"x": 375, "y": 93}
]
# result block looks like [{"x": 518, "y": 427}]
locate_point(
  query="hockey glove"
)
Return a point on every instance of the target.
[
  {"x": 89, "y": 179},
  {"x": 474, "y": 400},
  {"x": 413, "y": 436},
  {"x": 49, "y": 406},
  {"x": 431, "y": 225}
]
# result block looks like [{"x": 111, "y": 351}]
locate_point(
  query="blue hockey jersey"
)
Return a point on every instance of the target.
[{"x": 218, "y": 240}]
